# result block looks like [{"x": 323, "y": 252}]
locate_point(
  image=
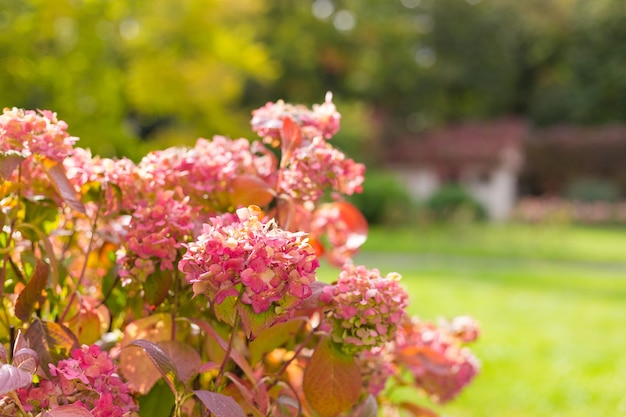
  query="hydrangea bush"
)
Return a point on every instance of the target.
[{"x": 185, "y": 284}]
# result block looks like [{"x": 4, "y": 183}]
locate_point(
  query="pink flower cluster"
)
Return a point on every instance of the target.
[
  {"x": 204, "y": 172},
  {"x": 316, "y": 166},
  {"x": 30, "y": 133},
  {"x": 87, "y": 378},
  {"x": 241, "y": 255},
  {"x": 436, "y": 358},
  {"x": 364, "y": 308},
  {"x": 155, "y": 233},
  {"x": 323, "y": 120}
]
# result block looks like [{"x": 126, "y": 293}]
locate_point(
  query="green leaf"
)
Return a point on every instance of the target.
[
  {"x": 51, "y": 341},
  {"x": 226, "y": 311},
  {"x": 33, "y": 294},
  {"x": 163, "y": 363},
  {"x": 159, "y": 401},
  {"x": 157, "y": 286},
  {"x": 273, "y": 337},
  {"x": 253, "y": 323},
  {"x": 332, "y": 380},
  {"x": 220, "y": 405}
]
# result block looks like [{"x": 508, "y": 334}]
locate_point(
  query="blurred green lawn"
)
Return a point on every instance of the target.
[{"x": 551, "y": 302}]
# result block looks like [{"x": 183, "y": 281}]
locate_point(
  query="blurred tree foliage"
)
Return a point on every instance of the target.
[{"x": 167, "y": 71}]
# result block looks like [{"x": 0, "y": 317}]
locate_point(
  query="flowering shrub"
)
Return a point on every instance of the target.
[{"x": 193, "y": 271}]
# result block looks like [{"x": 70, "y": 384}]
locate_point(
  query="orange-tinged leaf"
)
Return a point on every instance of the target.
[
  {"x": 291, "y": 138},
  {"x": 332, "y": 380},
  {"x": 52, "y": 342},
  {"x": 135, "y": 364},
  {"x": 163, "y": 363},
  {"x": 247, "y": 190},
  {"x": 33, "y": 294}
]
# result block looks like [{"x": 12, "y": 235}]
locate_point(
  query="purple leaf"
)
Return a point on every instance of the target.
[
  {"x": 8, "y": 162},
  {"x": 12, "y": 378},
  {"x": 220, "y": 405},
  {"x": 26, "y": 360},
  {"x": 52, "y": 341}
]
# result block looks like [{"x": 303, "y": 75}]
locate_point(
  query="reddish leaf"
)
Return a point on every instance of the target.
[
  {"x": 313, "y": 300},
  {"x": 291, "y": 138},
  {"x": 12, "y": 378},
  {"x": 71, "y": 410},
  {"x": 51, "y": 341},
  {"x": 56, "y": 173},
  {"x": 332, "y": 380},
  {"x": 163, "y": 363},
  {"x": 187, "y": 359},
  {"x": 33, "y": 293},
  {"x": 9, "y": 161},
  {"x": 220, "y": 405},
  {"x": 273, "y": 337},
  {"x": 135, "y": 364},
  {"x": 247, "y": 190},
  {"x": 345, "y": 227}
]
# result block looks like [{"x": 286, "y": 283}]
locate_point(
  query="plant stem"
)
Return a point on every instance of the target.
[
  {"x": 84, "y": 268},
  {"x": 229, "y": 348}
]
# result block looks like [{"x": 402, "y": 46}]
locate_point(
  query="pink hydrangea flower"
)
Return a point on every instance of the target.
[
  {"x": 376, "y": 369},
  {"x": 323, "y": 120},
  {"x": 35, "y": 133},
  {"x": 244, "y": 255},
  {"x": 86, "y": 379},
  {"x": 316, "y": 166},
  {"x": 364, "y": 308},
  {"x": 439, "y": 363},
  {"x": 155, "y": 233}
]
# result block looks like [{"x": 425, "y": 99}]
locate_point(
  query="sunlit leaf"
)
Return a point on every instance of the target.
[
  {"x": 290, "y": 139},
  {"x": 33, "y": 294},
  {"x": 135, "y": 364},
  {"x": 52, "y": 342},
  {"x": 253, "y": 323},
  {"x": 332, "y": 380},
  {"x": 163, "y": 363},
  {"x": 186, "y": 359},
  {"x": 247, "y": 190},
  {"x": 220, "y": 405},
  {"x": 56, "y": 173},
  {"x": 273, "y": 337}
]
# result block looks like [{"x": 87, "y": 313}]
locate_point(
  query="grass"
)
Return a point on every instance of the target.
[{"x": 551, "y": 303}]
